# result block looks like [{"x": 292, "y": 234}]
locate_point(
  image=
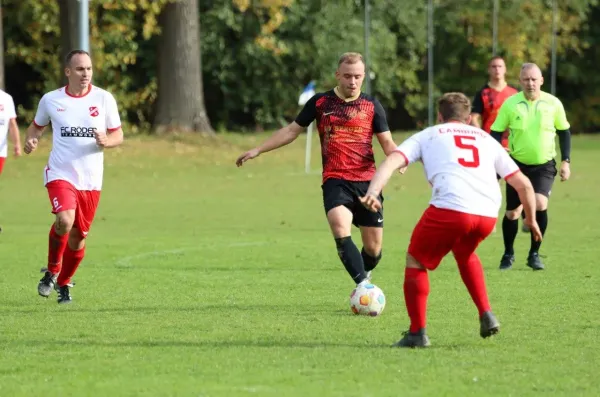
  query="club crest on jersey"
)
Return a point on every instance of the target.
[
  {"x": 94, "y": 111},
  {"x": 352, "y": 113}
]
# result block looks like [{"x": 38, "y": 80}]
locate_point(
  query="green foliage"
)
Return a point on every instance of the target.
[
  {"x": 257, "y": 55},
  {"x": 267, "y": 75},
  {"x": 118, "y": 30},
  {"x": 32, "y": 34}
]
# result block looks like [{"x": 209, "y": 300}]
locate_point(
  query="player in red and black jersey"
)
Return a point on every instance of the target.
[
  {"x": 488, "y": 100},
  {"x": 346, "y": 120},
  {"x": 346, "y": 127}
]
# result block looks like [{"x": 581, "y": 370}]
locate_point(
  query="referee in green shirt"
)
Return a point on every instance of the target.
[{"x": 534, "y": 118}]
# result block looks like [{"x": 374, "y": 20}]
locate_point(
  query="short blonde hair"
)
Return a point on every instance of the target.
[
  {"x": 351, "y": 58},
  {"x": 454, "y": 106}
]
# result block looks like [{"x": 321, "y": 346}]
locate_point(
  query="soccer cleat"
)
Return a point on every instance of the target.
[
  {"x": 489, "y": 325},
  {"x": 534, "y": 261},
  {"x": 63, "y": 294},
  {"x": 412, "y": 340},
  {"x": 47, "y": 283},
  {"x": 507, "y": 261}
]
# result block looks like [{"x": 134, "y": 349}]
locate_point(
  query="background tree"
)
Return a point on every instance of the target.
[
  {"x": 1, "y": 49},
  {"x": 68, "y": 16},
  {"x": 180, "y": 101},
  {"x": 257, "y": 55}
]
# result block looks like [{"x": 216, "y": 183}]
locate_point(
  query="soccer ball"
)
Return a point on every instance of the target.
[{"x": 368, "y": 300}]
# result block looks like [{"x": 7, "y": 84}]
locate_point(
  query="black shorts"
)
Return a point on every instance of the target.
[
  {"x": 338, "y": 192},
  {"x": 541, "y": 177}
]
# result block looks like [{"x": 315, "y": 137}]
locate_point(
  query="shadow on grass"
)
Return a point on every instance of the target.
[
  {"x": 240, "y": 343},
  {"x": 289, "y": 343},
  {"x": 292, "y": 310}
]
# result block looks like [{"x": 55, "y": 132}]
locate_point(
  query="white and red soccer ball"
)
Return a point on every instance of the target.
[{"x": 367, "y": 300}]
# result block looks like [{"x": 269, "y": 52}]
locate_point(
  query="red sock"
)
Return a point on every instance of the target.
[
  {"x": 416, "y": 290},
  {"x": 71, "y": 262},
  {"x": 56, "y": 249},
  {"x": 471, "y": 272}
]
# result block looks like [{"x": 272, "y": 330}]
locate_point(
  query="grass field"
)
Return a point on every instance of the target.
[{"x": 205, "y": 280}]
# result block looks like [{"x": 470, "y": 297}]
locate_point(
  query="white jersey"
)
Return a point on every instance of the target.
[
  {"x": 75, "y": 157},
  {"x": 461, "y": 163},
  {"x": 7, "y": 113}
]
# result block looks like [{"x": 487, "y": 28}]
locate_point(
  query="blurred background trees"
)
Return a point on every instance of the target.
[{"x": 239, "y": 65}]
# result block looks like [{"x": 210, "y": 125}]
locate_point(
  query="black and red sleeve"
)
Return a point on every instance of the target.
[
  {"x": 477, "y": 106},
  {"x": 380, "y": 123},
  {"x": 308, "y": 113}
]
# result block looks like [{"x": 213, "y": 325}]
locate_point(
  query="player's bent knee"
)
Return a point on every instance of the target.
[
  {"x": 372, "y": 248},
  {"x": 76, "y": 239},
  {"x": 514, "y": 214},
  {"x": 340, "y": 230},
  {"x": 64, "y": 222},
  {"x": 412, "y": 263},
  {"x": 373, "y": 251},
  {"x": 541, "y": 202},
  {"x": 340, "y": 221},
  {"x": 372, "y": 238},
  {"x": 464, "y": 257}
]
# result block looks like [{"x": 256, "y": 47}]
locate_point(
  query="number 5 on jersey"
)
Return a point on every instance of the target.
[{"x": 464, "y": 142}]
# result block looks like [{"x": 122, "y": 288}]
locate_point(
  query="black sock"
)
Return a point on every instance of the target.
[
  {"x": 350, "y": 256},
  {"x": 370, "y": 261},
  {"x": 510, "y": 228},
  {"x": 523, "y": 215},
  {"x": 542, "y": 219}
]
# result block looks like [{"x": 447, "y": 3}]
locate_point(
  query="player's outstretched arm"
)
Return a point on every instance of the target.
[
  {"x": 34, "y": 133},
  {"x": 279, "y": 138},
  {"x": 387, "y": 142},
  {"x": 523, "y": 186},
  {"x": 15, "y": 136},
  {"x": 388, "y": 145},
  {"x": 383, "y": 174}
]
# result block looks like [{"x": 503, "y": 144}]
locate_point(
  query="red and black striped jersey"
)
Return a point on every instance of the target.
[
  {"x": 346, "y": 129},
  {"x": 487, "y": 103}
]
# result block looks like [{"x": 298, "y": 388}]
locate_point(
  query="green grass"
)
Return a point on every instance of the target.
[{"x": 205, "y": 280}]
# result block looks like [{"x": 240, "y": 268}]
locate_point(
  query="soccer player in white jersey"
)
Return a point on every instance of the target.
[
  {"x": 8, "y": 122},
  {"x": 461, "y": 163},
  {"x": 85, "y": 121}
]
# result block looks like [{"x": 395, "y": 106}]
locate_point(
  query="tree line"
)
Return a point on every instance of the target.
[{"x": 239, "y": 65}]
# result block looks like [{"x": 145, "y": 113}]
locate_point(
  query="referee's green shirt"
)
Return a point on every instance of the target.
[{"x": 532, "y": 125}]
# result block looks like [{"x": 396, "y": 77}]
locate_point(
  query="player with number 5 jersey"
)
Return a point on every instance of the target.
[
  {"x": 461, "y": 163},
  {"x": 85, "y": 121}
]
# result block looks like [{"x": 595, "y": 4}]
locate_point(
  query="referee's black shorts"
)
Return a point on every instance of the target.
[{"x": 541, "y": 177}]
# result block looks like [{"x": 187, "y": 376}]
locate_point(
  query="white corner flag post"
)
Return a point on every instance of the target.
[{"x": 307, "y": 93}]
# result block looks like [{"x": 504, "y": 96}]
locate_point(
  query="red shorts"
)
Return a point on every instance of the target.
[
  {"x": 2, "y": 160},
  {"x": 63, "y": 196},
  {"x": 440, "y": 231}
]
